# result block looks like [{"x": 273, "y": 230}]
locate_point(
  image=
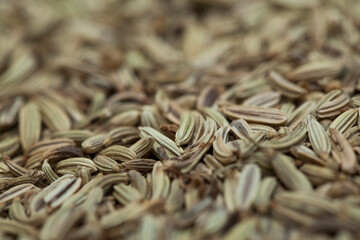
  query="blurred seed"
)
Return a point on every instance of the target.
[
  {"x": 125, "y": 194},
  {"x": 263, "y": 99},
  {"x": 208, "y": 96},
  {"x": 53, "y": 115},
  {"x": 76, "y": 135},
  {"x": 289, "y": 175},
  {"x": 29, "y": 125},
  {"x": 286, "y": 87},
  {"x": 315, "y": 70},
  {"x": 265, "y": 193},
  {"x": 247, "y": 187},
  {"x": 9, "y": 146},
  {"x": 127, "y": 118},
  {"x": 307, "y": 155},
  {"x": 242, "y": 230}
]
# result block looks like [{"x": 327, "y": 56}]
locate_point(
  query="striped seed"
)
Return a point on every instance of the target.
[
  {"x": 319, "y": 139},
  {"x": 29, "y": 125},
  {"x": 256, "y": 114}
]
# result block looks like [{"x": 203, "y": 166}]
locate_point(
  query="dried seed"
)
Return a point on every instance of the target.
[
  {"x": 263, "y": 99},
  {"x": 37, "y": 152},
  {"x": 93, "y": 144},
  {"x": 333, "y": 107},
  {"x": 141, "y": 165},
  {"x": 216, "y": 116},
  {"x": 289, "y": 175},
  {"x": 143, "y": 146},
  {"x": 76, "y": 135},
  {"x": 315, "y": 70},
  {"x": 106, "y": 165},
  {"x": 306, "y": 202},
  {"x": 14, "y": 192},
  {"x": 186, "y": 129},
  {"x": 345, "y": 121},
  {"x": 50, "y": 175},
  {"x": 29, "y": 125},
  {"x": 14, "y": 168},
  {"x": 297, "y": 116},
  {"x": 175, "y": 200},
  {"x": 125, "y": 194},
  {"x": 161, "y": 140},
  {"x": 160, "y": 182},
  {"x": 9, "y": 114},
  {"x": 318, "y": 138},
  {"x": 127, "y": 118},
  {"x": 9, "y": 146},
  {"x": 118, "y": 153},
  {"x": 284, "y": 143},
  {"x": 342, "y": 152},
  {"x": 256, "y": 114},
  {"x": 241, "y": 129},
  {"x": 118, "y": 135},
  {"x": 53, "y": 115},
  {"x": 247, "y": 187},
  {"x": 319, "y": 175},
  {"x": 264, "y": 193},
  {"x": 151, "y": 117},
  {"x": 222, "y": 151},
  {"x": 208, "y": 96},
  {"x": 242, "y": 230},
  {"x": 307, "y": 155},
  {"x": 72, "y": 163},
  {"x": 286, "y": 87}
]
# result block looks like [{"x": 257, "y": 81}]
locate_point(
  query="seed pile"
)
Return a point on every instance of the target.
[{"x": 158, "y": 119}]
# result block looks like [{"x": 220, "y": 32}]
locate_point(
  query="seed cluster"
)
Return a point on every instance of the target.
[{"x": 192, "y": 119}]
